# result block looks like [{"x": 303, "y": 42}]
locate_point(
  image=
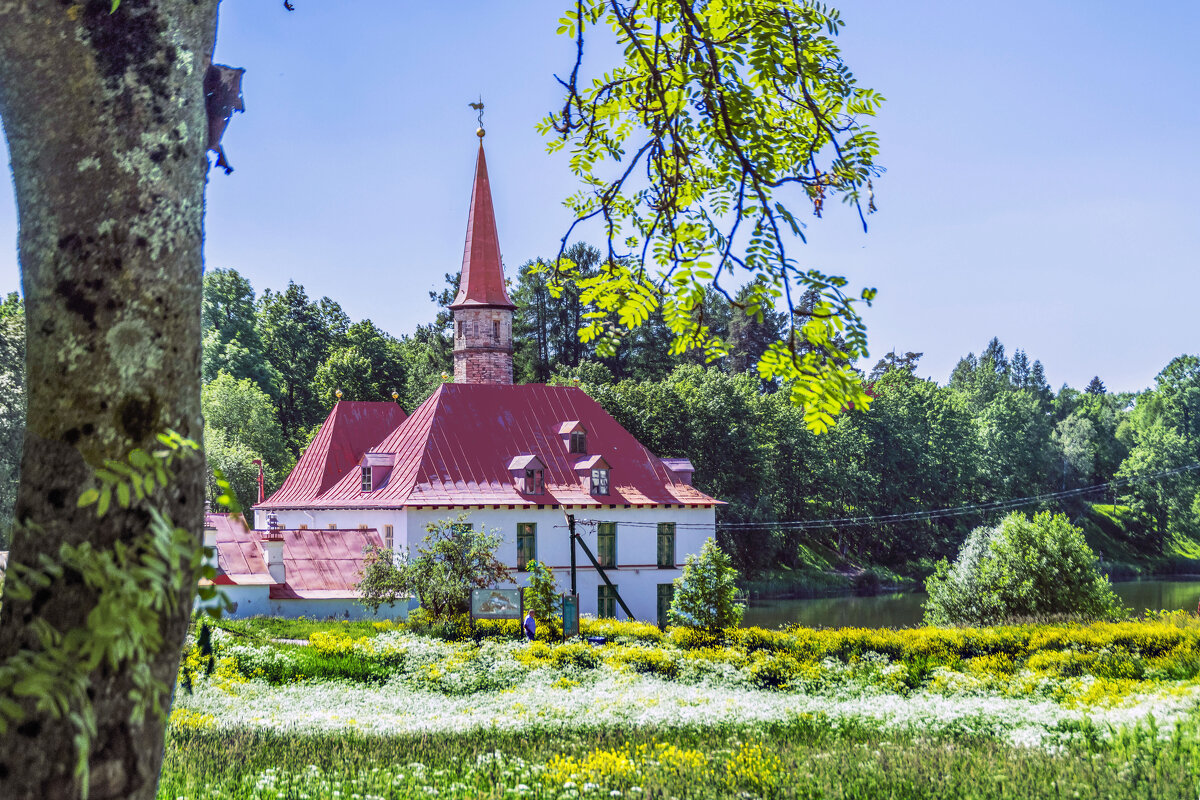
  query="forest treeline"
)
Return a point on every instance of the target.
[{"x": 273, "y": 361}]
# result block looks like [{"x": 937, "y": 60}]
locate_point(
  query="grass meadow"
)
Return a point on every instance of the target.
[{"x": 1106, "y": 710}]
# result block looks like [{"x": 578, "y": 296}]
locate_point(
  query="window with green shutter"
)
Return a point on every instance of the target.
[
  {"x": 666, "y": 545},
  {"x": 606, "y": 601},
  {"x": 526, "y": 544},
  {"x": 666, "y": 593},
  {"x": 606, "y": 544}
]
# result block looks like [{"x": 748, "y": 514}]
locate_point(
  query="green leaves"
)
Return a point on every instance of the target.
[
  {"x": 693, "y": 152},
  {"x": 139, "y": 476}
]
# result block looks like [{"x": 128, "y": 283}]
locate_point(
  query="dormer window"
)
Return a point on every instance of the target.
[
  {"x": 528, "y": 474},
  {"x": 535, "y": 481},
  {"x": 595, "y": 475},
  {"x": 574, "y": 436},
  {"x": 375, "y": 468}
]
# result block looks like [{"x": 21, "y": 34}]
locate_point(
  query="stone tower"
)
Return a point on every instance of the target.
[{"x": 483, "y": 313}]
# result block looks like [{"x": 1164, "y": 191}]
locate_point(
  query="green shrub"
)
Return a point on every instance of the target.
[
  {"x": 704, "y": 594},
  {"x": 1020, "y": 568},
  {"x": 649, "y": 660},
  {"x": 695, "y": 638},
  {"x": 575, "y": 654},
  {"x": 453, "y": 629},
  {"x": 542, "y": 598},
  {"x": 772, "y": 670}
]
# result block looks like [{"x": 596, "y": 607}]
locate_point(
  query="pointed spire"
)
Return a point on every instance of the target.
[{"x": 482, "y": 282}]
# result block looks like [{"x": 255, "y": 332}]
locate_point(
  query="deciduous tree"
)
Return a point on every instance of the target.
[{"x": 104, "y": 112}]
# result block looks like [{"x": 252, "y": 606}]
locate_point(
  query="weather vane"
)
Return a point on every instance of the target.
[{"x": 479, "y": 107}]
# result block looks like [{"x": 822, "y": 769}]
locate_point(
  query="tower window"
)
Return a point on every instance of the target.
[
  {"x": 460, "y": 329},
  {"x": 579, "y": 441},
  {"x": 496, "y": 330},
  {"x": 366, "y": 479}
]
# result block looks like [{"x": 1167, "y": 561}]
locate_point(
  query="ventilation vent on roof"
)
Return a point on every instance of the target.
[{"x": 681, "y": 469}]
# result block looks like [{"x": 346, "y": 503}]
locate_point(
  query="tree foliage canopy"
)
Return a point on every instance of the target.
[
  {"x": 691, "y": 150},
  {"x": 705, "y": 595},
  {"x": 1023, "y": 567},
  {"x": 452, "y": 559}
]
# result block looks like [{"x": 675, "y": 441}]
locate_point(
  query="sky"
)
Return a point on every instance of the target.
[{"x": 1040, "y": 158}]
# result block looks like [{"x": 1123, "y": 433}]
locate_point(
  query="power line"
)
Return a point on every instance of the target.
[{"x": 915, "y": 516}]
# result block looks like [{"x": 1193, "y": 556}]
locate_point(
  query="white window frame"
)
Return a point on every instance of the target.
[{"x": 600, "y": 481}]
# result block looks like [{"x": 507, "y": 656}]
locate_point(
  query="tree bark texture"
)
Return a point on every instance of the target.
[{"x": 105, "y": 118}]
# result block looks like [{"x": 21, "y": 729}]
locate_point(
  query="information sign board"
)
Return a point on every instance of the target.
[
  {"x": 496, "y": 604},
  {"x": 570, "y": 607}
]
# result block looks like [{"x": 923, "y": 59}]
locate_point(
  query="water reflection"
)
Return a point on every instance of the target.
[{"x": 904, "y": 610}]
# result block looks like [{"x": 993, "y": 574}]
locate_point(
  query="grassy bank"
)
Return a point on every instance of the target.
[{"x": 809, "y": 757}]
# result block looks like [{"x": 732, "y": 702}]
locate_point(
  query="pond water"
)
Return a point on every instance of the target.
[{"x": 904, "y": 610}]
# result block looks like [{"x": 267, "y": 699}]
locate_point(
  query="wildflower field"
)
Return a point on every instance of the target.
[{"x": 1063, "y": 710}]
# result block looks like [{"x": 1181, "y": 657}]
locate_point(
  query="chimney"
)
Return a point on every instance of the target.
[
  {"x": 272, "y": 549},
  {"x": 210, "y": 544}
]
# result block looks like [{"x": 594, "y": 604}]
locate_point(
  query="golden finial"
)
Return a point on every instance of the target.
[
  {"x": 339, "y": 394},
  {"x": 395, "y": 395},
  {"x": 445, "y": 377},
  {"x": 479, "y": 107}
]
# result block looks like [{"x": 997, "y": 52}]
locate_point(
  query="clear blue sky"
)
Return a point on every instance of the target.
[{"x": 1042, "y": 159}]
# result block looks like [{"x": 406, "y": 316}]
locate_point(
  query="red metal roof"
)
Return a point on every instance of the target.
[
  {"x": 349, "y": 431},
  {"x": 456, "y": 449},
  {"x": 317, "y": 563},
  {"x": 482, "y": 284}
]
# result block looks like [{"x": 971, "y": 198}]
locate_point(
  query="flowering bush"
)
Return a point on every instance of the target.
[{"x": 1020, "y": 568}]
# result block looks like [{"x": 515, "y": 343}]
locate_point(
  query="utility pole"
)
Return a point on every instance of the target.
[{"x": 571, "y": 528}]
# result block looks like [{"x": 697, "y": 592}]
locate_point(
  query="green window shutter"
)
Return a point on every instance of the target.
[
  {"x": 666, "y": 593},
  {"x": 606, "y": 544},
  {"x": 666, "y": 545},
  {"x": 606, "y": 602}
]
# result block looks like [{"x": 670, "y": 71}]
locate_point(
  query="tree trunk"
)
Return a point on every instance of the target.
[{"x": 105, "y": 117}]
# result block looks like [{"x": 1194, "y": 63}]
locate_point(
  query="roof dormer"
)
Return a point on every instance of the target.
[
  {"x": 375, "y": 468},
  {"x": 594, "y": 475},
  {"x": 528, "y": 474},
  {"x": 574, "y": 436}
]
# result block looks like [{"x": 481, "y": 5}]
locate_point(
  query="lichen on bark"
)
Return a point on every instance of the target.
[{"x": 105, "y": 119}]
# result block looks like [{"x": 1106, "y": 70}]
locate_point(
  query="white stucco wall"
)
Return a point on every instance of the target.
[
  {"x": 335, "y": 609},
  {"x": 255, "y": 601},
  {"x": 637, "y": 577}
]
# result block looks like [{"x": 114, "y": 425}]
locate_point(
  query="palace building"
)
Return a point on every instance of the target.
[{"x": 515, "y": 459}]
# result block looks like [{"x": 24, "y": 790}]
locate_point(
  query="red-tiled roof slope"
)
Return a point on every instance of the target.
[
  {"x": 456, "y": 448},
  {"x": 323, "y": 563},
  {"x": 482, "y": 283},
  {"x": 349, "y": 431},
  {"x": 317, "y": 563}
]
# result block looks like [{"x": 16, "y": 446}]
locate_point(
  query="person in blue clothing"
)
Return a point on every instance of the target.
[{"x": 530, "y": 626}]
